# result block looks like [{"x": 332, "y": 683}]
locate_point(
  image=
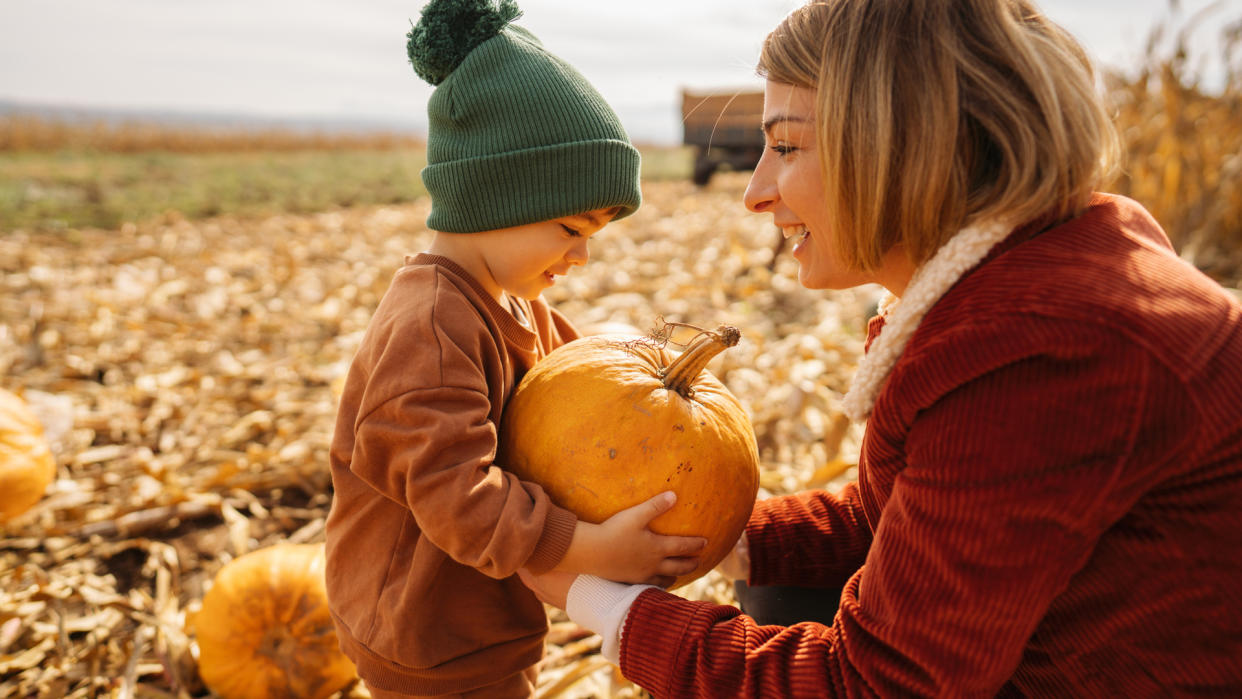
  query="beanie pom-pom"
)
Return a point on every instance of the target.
[{"x": 449, "y": 30}]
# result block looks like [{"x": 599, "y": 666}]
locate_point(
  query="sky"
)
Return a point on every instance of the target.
[{"x": 344, "y": 61}]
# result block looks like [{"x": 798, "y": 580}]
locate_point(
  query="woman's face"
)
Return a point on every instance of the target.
[{"x": 788, "y": 184}]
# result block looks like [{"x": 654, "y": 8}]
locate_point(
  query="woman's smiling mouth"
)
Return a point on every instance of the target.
[{"x": 803, "y": 233}]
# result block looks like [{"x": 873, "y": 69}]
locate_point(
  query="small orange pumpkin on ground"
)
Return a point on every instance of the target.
[
  {"x": 605, "y": 422},
  {"x": 264, "y": 630},
  {"x": 26, "y": 464}
]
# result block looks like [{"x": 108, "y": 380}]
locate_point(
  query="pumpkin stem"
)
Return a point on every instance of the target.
[{"x": 680, "y": 374}]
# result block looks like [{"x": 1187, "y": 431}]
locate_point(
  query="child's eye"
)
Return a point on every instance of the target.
[{"x": 572, "y": 233}]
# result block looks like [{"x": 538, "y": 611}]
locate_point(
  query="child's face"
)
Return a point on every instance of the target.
[{"x": 525, "y": 260}]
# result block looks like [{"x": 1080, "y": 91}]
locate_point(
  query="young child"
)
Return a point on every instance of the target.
[{"x": 426, "y": 535}]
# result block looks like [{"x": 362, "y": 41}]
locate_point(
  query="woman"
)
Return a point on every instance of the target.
[{"x": 1049, "y": 498}]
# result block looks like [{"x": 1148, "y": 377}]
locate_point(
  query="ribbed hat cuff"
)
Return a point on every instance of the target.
[{"x": 528, "y": 186}]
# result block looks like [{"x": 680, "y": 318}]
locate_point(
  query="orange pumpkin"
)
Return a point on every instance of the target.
[
  {"x": 26, "y": 464},
  {"x": 264, "y": 629},
  {"x": 605, "y": 422}
]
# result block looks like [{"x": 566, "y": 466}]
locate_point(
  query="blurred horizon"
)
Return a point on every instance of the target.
[{"x": 323, "y": 64}]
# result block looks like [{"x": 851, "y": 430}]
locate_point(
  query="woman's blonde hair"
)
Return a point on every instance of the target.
[{"x": 933, "y": 114}]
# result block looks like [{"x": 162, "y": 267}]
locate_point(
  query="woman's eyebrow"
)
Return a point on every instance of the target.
[{"x": 781, "y": 118}]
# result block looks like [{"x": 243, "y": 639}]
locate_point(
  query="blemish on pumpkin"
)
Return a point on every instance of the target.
[
  {"x": 612, "y": 453},
  {"x": 679, "y": 428},
  {"x": 578, "y": 484}
]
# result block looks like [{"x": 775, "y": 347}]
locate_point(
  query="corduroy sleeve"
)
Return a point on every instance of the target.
[
  {"x": 675, "y": 647},
  {"x": 1011, "y": 478},
  {"x": 813, "y": 538},
  {"x": 809, "y": 539}
]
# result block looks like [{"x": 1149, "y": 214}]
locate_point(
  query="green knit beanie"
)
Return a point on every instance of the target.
[{"x": 515, "y": 134}]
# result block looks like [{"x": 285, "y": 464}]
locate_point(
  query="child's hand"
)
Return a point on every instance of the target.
[{"x": 623, "y": 549}]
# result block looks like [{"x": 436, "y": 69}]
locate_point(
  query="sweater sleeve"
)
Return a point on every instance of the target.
[
  {"x": 432, "y": 449},
  {"x": 808, "y": 539},
  {"x": 425, "y": 434},
  {"x": 1010, "y": 481}
]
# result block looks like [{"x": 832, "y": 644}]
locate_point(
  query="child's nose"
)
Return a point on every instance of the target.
[{"x": 578, "y": 254}]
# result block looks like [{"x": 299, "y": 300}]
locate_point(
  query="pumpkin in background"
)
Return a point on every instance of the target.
[
  {"x": 26, "y": 464},
  {"x": 264, "y": 629},
  {"x": 607, "y": 421}
]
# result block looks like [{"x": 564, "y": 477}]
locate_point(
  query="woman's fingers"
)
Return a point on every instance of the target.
[
  {"x": 677, "y": 566},
  {"x": 736, "y": 565},
  {"x": 682, "y": 545},
  {"x": 551, "y": 587}
]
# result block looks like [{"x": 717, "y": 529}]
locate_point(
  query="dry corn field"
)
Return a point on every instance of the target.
[
  {"x": 32, "y": 133},
  {"x": 185, "y": 374},
  {"x": 1182, "y": 143},
  {"x": 185, "y": 371}
]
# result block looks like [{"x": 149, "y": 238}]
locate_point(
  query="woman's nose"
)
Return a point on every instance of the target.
[{"x": 761, "y": 191}]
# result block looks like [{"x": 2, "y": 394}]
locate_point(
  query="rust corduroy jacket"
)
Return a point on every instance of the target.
[{"x": 1049, "y": 499}]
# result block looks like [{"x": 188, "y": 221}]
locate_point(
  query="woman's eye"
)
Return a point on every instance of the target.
[
  {"x": 782, "y": 149},
  {"x": 572, "y": 233}
]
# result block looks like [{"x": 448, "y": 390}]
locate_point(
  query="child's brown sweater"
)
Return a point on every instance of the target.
[{"x": 426, "y": 533}]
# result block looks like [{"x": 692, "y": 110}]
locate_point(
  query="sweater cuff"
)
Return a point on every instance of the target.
[
  {"x": 558, "y": 531},
  {"x": 601, "y": 606}
]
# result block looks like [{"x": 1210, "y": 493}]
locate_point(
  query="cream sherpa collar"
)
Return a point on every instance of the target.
[{"x": 902, "y": 316}]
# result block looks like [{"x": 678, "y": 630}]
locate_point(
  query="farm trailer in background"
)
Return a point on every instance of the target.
[{"x": 725, "y": 128}]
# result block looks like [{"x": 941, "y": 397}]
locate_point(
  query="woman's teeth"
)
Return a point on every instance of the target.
[{"x": 802, "y": 232}]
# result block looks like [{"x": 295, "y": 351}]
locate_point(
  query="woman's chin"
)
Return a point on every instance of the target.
[
  {"x": 810, "y": 281},
  {"x": 831, "y": 279}
]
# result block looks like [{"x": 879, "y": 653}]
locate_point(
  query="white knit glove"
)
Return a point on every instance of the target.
[{"x": 601, "y": 606}]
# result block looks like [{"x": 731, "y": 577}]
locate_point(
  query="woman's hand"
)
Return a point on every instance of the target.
[
  {"x": 623, "y": 549},
  {"x": 736, "y": 565},
  {"x": 551, "y": 587}
]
